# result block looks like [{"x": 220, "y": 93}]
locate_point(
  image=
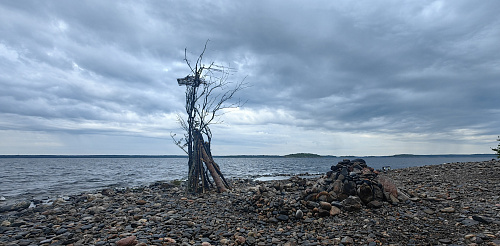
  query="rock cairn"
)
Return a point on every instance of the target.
[{"x": 349, "y": 186}]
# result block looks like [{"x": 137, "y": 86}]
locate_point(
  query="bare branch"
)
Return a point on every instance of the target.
[{"x": 178, "y": 142}]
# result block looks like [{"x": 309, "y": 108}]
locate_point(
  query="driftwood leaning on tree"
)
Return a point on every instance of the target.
[{"x": 197, "y": 172}]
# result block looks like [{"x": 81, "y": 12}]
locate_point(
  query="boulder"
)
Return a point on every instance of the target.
[
  {"x": 129, "y": 241},
  {"x": 334, "y": 211},
  {"x": 388, "y": 185},
  {"x": 325, "y": 205},
  {"x": 349, "y": 188},
  {"x": 338, "y": 186},
  {"x": 378, "y": 194},
  {"x": 352, "y": 203},
  {"x": 365, "y": 193}
]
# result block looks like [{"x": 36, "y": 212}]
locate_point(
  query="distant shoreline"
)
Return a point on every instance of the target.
[{"x": 493, "y": 156}]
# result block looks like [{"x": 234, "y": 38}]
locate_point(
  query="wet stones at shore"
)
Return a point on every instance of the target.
[
  {"x": 448, "y": 205},
  {"x": 15, "y": 207}
]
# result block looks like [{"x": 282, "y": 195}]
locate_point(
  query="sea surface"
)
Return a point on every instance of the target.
[{"x": 49, "y": 178}]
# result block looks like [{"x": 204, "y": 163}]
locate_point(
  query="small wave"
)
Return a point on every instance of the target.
[{"x": 93, "y": 180}]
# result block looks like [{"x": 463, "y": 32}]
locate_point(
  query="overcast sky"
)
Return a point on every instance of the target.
[{"x": 327, "y": 77}]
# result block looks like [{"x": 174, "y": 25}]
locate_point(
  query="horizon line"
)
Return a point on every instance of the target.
[{"x": 219, "y": 156}]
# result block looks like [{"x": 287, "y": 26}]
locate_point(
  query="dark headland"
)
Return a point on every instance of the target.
[
  {"x": 448, "y": 204},
  {"x": 302, "y": 155}
]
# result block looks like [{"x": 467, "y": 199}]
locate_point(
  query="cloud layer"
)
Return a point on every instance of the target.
[{"x": 339, "y": 78}]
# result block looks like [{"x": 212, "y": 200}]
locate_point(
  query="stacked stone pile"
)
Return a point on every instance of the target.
[
  {"x": 349, "y": 186},
  {"x": 355, "y": 178}
]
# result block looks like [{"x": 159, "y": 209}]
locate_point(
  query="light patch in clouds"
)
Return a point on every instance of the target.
[
  {"x": 8, "y": 53},
  {"x": 261, "y": 116},
  {"x": 14, "y": 142}
]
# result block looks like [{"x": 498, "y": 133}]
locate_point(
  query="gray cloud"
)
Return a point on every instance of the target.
[{"x": 390, "y": 69}]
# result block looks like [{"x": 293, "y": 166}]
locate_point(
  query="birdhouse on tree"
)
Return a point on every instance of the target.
[{"x": 190, "y": 81}]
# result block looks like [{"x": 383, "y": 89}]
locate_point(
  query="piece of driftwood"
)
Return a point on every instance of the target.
[{"x": 202, "y": 158}]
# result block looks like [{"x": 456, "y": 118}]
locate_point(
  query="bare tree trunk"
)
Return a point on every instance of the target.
[{"x": 205, "y": 96}]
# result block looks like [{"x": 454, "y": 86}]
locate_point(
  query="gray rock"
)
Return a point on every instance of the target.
[
  {"x": 448, "y": 210},
  {"x": 337, "y": 186},
  {"x": 24, "y": 242},
  {"x": 375, "y": 204},
  {"x": 481, "y": 219},
  {"x": 15, "y": 207},
  {"x": 46, "y": 241},
  {"x": 352, "y": 203},
  {"x": 344, "y": 172},
  {"x": 347, "y": 240},
  {"x": 250, "y": 240},
  {"x": 86, "y": 227},
  {"x": 478, "y": 240},
  {"x": 282, "y": 217},
  {"x": 325, "y": 205},
  {"x": 349, "y": 188},
  {"x": 273, "y": 220},
  {"x": 378, "y": 194},
  {"x": 402, "y": 196},
  {"x": 445, "y": 240},
  {"x": 334, "y": 211},
  {"x": 312, "y": 204},
  {"x": 323, "y": 212},
  {"x": 299, "y": 214},
  {"x": 469, "y": 222},
  {"x": 336, "y": 204},
  {"x": 365, "y": 193}
]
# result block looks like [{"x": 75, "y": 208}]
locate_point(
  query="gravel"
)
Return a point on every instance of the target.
[{"x": 449, "y": 204}]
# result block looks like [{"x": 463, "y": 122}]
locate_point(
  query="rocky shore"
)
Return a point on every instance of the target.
[{"x": 449, "y": 204}]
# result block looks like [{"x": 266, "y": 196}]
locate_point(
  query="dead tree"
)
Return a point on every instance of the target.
[{"x": 207, "y": 95}]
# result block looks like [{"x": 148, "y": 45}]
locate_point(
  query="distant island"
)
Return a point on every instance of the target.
[
  {"x": 403, "y": 155},
  {"x": 302, "y": 155}
]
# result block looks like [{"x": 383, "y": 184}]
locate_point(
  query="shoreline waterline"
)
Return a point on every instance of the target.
[{"x": 50, "y": 178}]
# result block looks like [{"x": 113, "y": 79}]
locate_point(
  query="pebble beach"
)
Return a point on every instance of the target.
[{"x": 448, "y": 204}]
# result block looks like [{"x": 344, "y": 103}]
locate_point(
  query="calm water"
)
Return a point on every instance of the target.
[{"x": 42, "y": 178}]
